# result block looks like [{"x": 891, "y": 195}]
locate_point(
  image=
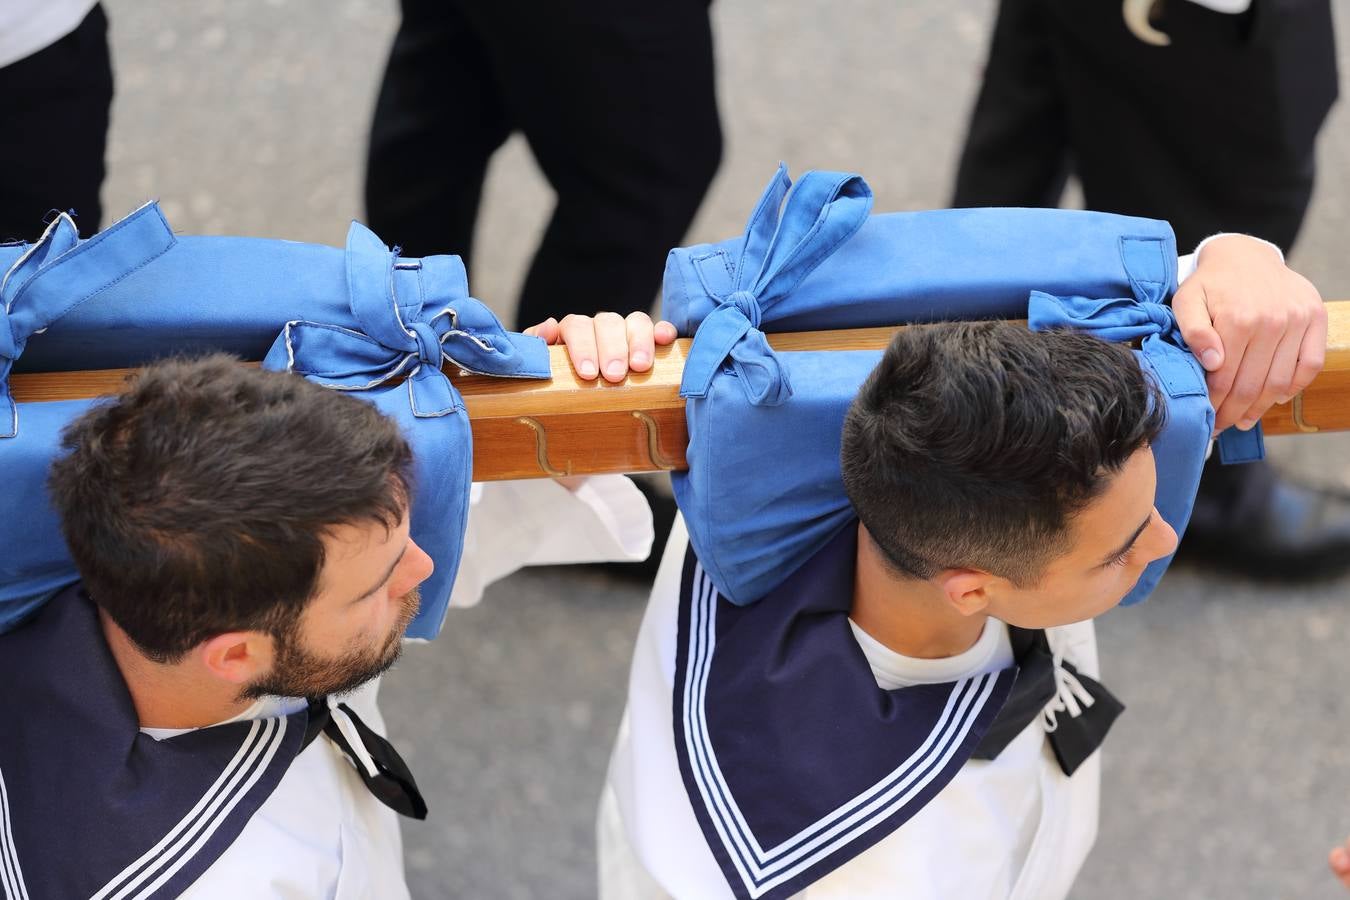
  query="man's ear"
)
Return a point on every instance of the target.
[
  {"x": 236, "y": 656},
  {"x": 968, "y": 591}
]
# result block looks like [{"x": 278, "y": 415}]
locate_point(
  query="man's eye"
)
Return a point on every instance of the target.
[{"x": 1120, "y": 560}]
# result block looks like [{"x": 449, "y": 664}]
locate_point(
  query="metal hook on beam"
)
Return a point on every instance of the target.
[
  {"x": 1297, "y": 411},
  {"x": 541, "y": 446},
  {"x": 658, "y": 459}
]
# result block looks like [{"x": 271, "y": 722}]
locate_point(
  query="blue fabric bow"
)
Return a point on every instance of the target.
[
  {"x": 1149, "y": 264},
  {"x": 1147, "y": 318},
  {"x": 1118, "y": 321},
  {"x": 413, "y": 315},
  {"x": 820, "y": 213},
  {"x": 1179, "y": 451},
  {"x": 406, "y": 337},
  {"x": 58, "y": 273}
]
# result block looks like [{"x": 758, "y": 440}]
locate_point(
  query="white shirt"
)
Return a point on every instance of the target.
[
  {"x": 27, "y": 26},
  {"x": 1011, "y": 827},
  {"x": 1186, "y": 264},
  {"x": 992, "y": 652},
  {"x": 321, "y": 833},
  {"x": 1232, "y": 7}
]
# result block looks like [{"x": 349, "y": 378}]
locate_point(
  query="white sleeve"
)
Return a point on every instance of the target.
[
  {"x": 1230, "y": 7},
  {"x": 513, "y": 524},
  {"x": 1186, "y": 264}
]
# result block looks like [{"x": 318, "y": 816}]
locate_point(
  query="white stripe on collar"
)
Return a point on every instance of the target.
[
  {"x": 176, "y": 848},
  {"x": 761, "y": 870},
  {"x": 11, "y": 876}
]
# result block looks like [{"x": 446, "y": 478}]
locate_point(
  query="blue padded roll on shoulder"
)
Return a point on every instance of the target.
[
  {"x": 359, "y": 319},
  {"x": 763, "y": 491}
]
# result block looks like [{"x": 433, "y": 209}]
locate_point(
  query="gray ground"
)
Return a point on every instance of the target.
[{"x": 1228, "y": 777}]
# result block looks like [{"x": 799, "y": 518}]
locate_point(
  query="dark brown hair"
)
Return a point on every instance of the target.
[{"x": 196, "y": 501}]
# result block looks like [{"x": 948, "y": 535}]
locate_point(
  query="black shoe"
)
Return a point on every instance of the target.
[{"x": 1249, "y": 521}]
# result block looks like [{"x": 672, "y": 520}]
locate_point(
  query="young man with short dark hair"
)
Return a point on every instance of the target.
[
  {"x": 913, "y": 712},
  {"x": 1003, "y": 483}
]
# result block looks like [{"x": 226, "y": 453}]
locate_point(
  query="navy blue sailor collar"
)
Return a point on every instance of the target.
[
  {"x": 92, "y": 807},
  {"x": 795, "y": 761}
]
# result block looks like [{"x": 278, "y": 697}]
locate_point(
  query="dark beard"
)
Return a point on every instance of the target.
[{"x": 298, "y": 673}]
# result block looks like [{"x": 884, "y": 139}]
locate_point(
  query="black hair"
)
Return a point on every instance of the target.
[{"x": 973, "y": 444}]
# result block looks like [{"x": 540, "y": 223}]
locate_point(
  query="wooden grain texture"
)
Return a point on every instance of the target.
[{"x": 591, "y": 427}]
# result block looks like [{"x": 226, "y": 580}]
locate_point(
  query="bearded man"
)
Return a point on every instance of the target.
[{"x": 202, "y": 702}]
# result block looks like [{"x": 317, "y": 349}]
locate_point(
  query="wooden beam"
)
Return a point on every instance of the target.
[{"x": 533, "y": 428}]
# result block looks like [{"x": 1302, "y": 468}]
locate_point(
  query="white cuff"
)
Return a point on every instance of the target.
[
  {"x": 1186, "y": 264},
  {"x": 1228, "y": 7}
]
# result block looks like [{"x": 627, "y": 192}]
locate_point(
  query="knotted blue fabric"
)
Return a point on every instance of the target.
[
  {"x": 1143, "y": 317},
  {"x": 59, "y": 273},
  {"x": 823, "y": 211},
  {"x": 359, "y": 319},
  {"x": 405, "y": 336},
  {"x": 412, "y": 316},
  {"x": 763, "y": 491}
]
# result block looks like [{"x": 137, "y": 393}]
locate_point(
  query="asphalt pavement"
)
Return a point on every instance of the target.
[{"x": 1228, "y": 776}]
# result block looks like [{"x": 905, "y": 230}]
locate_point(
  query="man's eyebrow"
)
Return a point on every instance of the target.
[
  {"x": 379, "y": 584},
  {"x": 1112, "y": 557}
]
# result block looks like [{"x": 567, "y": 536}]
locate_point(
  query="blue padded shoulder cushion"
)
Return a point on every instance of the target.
[
  {"x": 763, "y": 491},
  {"x": 358, "y": 319}
]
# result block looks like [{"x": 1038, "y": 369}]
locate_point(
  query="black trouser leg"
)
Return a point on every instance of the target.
[
  {"x": 617, "y": 103},
  {"x": 438, "y": 120},
  {"x": 616, "y": 100},
  {"x": 1016, "y": 148},
  {"x": 54, "y": 127},
  {"x": 1213, "y": 133}
]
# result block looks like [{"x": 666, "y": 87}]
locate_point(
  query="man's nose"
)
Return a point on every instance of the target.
[
  {"x": 415, "y": 568},
  {"x": 1163, "y": 538}
]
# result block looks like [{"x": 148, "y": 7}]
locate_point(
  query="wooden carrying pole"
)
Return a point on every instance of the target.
[{"x": 566, "y": 426}]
